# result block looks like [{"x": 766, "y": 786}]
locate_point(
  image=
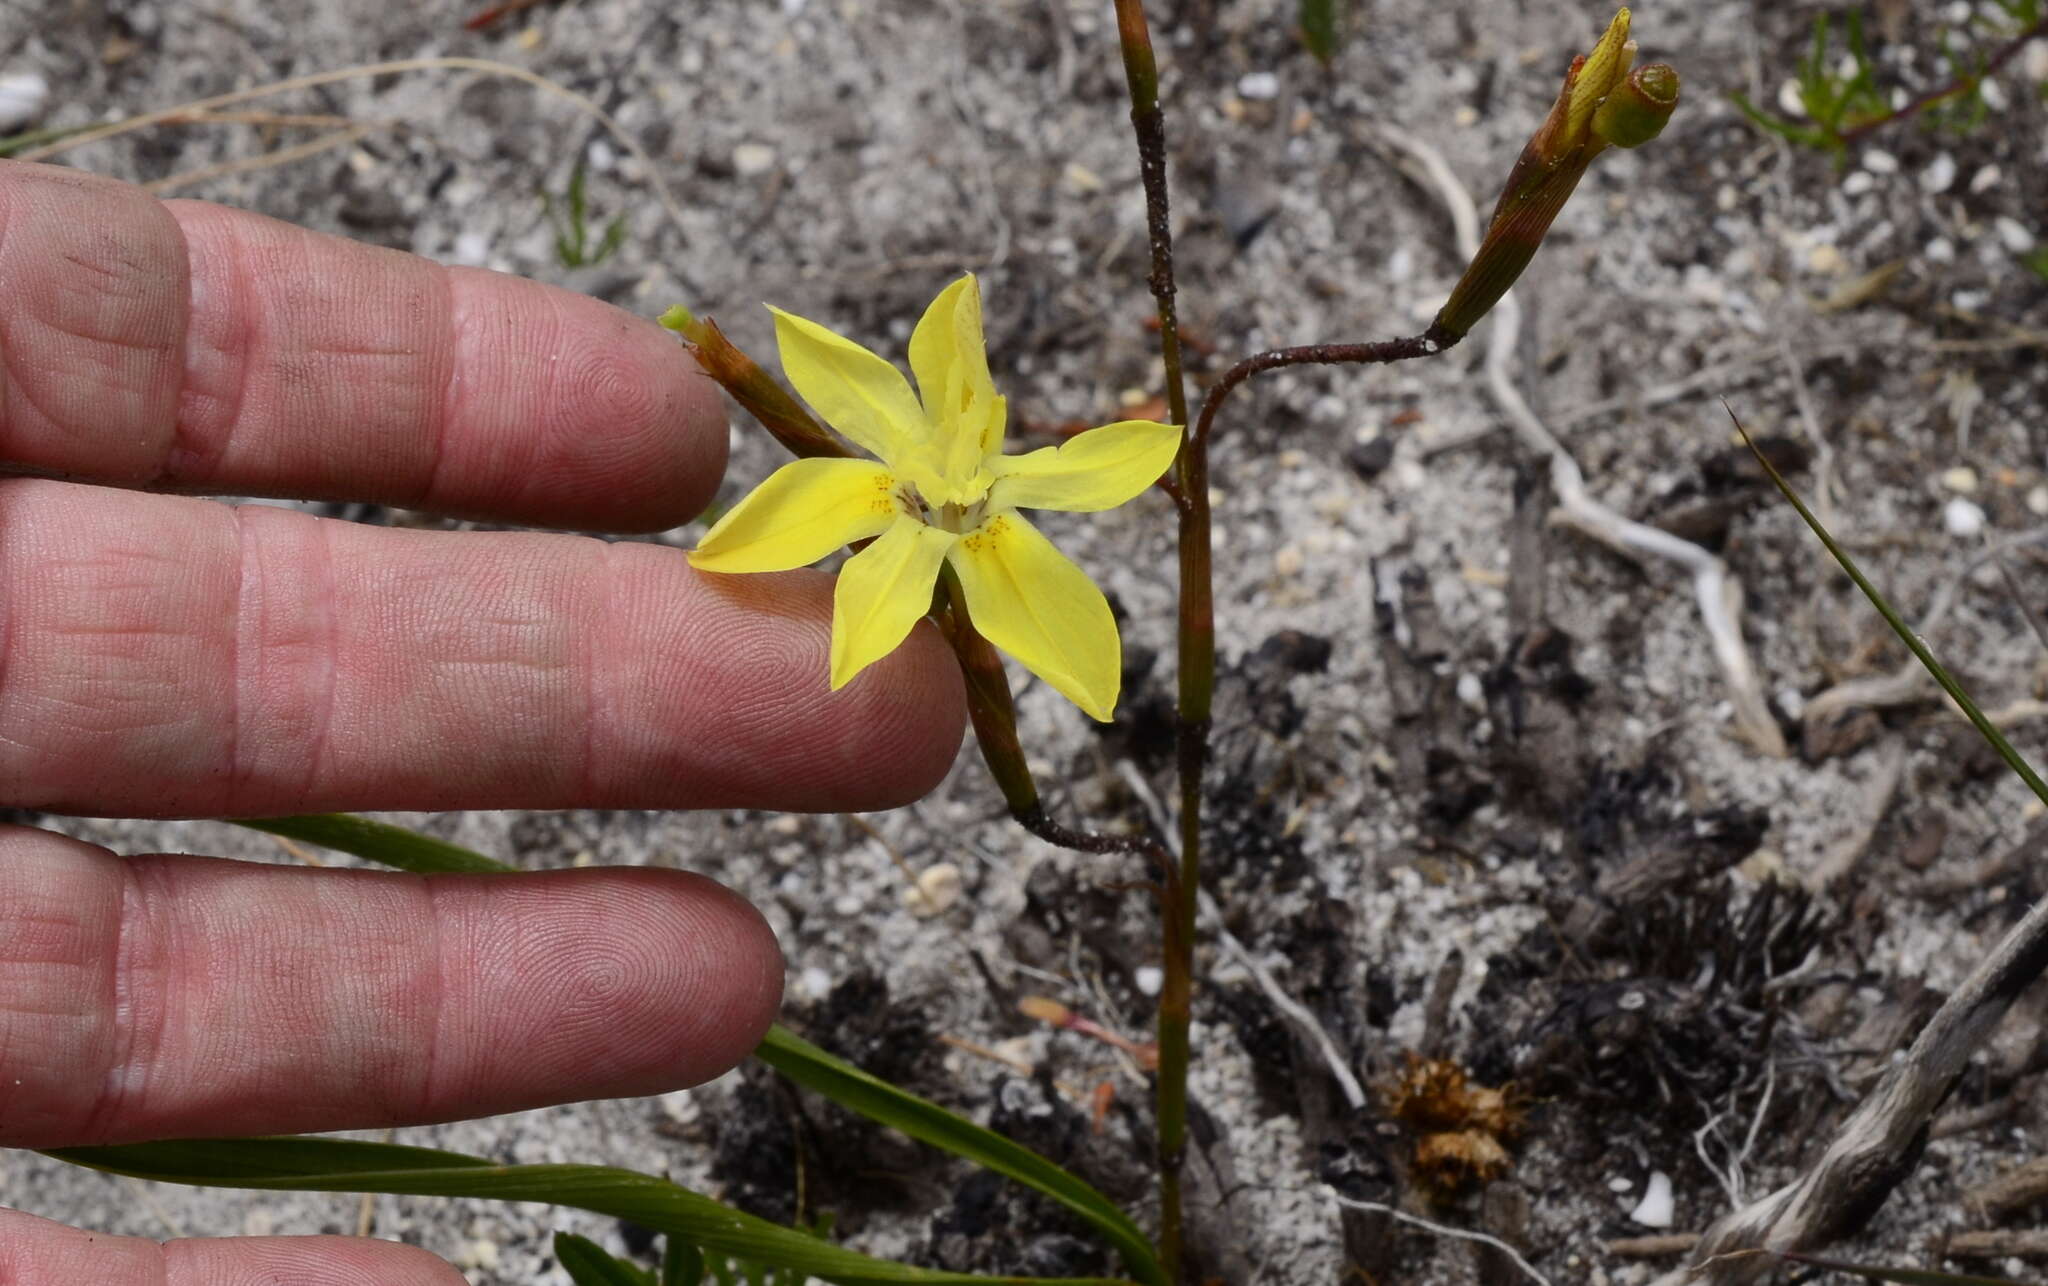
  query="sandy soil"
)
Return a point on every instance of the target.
[{"x": 1495, "y": 763}]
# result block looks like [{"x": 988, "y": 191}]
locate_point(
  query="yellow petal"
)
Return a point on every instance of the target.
[
  {"x": 804, "y": 511},
  {"x": 1031, "y": 601},
  {"x": 949, "y": 356},
  {"x": 1099, "y": 469},
  {"x": 850, "y": 388},
  {"x": 884, "y": 590}
]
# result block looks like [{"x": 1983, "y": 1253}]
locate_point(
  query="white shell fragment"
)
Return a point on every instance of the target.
[
  {"x": 1656, "y": 1209},
  {"x": 1964, "y": 518},
  {"x": 938, "y": 888},
  {"x": 23, "y": 96}
]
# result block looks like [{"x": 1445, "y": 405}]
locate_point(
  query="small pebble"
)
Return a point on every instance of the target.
[
  {"x": 2014, "y": 234},
  {"x": 1790, "y": 101},
  {"x": 938, "y": 888},
  {"x": 1080, "y": 180},
  {"x": 1963, "y": 518},
  {"x": 1288, "y": 561},
  {"x": 1939, "y": 174},
  {"x": 1149, "y": 978},
  {"x": 1858, "y": 182},
  {"x": 472, "y": 249},
  {"x": 478, "y": 1254},
  {"x": 1792, "y": 701},
  {"x": 1471, "y": 691},
  {"x": 1940, "y": 250},
  {"x": 1879, "y": 161},
  {"x": 1825, "y": 258},
  {"x": 1993, "y": 94},
  {"x": 2037, "y": 501},
  {"x": 23, "y": 96},
  {"x": 752, "y": 159},
  {"x": 1656, "y": 1209},
  {"x": 815, "y": 982},
  {"x": 1620, "y": 1183},
  {"x": 1257, "y": 86},
  {"x": 1985, "y": 179},
  {"x": 1961, "y": 478}
]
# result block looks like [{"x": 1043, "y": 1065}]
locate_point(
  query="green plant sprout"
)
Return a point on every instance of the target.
[
  {"x": 1320, "y": 24},
  {"x": 1844, "y": 106},
  {"x": 571, "y": 222},
  {"x": 1835, "y": 103},
  {"x": 938, "y": 506}
]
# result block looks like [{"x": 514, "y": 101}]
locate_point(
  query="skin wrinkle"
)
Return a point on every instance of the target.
[
  {"x": 591, "y": 655},
  {"x": 124, "y": 1082},
  {"x": 234, "y": 771},
  {"x": 474, "y": 319},
  {"x": 194, "y": 456},
  {"x": 442, "y": 417},
  {"x": 436, "y": 1001},
  {"x": 325, "y": 600}
]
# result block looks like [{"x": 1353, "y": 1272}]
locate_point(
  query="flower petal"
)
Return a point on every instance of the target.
[
  {"x": 802, "y": 512},
  {"x": 949, "y": 356},
  {"x": 850, "y": 388},
  {"x": 884, "y": 590},
  {"x": 1030, "y": 600},
  {"x": 1099, "y": 469}
]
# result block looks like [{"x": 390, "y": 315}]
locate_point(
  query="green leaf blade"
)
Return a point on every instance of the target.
[
  {"x": 375, "y": 841},
  {"x": 311, "y": 1164},
  {"x": 879, "y": 1101},
  {"x": 589, "y": 1264}
]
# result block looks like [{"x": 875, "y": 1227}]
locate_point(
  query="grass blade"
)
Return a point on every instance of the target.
[
  {"x": 1985, "y": 728},
  {"x": 876, "y": 1099},
  {"x": 1318, "y": 22},
  {"x": 589, "y": 1264},
  {"x": 309, "y": 1163},
  {"x": 377, "y": 841}
]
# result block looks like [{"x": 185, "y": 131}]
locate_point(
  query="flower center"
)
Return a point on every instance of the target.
[{"x": 957, "y": 518}]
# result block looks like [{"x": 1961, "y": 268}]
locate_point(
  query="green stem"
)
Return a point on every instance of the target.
[{"x": 1197, "y": 649}]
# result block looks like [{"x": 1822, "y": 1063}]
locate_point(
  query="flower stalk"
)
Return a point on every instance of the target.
[{"x": 758, "y": 392}]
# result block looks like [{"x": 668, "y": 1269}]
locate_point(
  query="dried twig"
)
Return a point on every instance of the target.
[
  {"x": 1841, "y": 859},
  {"x": 1653, "y": 1247},
  {"x": 2024, "y": 1243},
  {"x": 2010, "y": 1192},
  {"x": 485, "y": 66},
  {"x": 1718, "y": 593},
  {"x": 1305, "y": 1021},
  {"x": 268, "y": 160},
  {"x": 1442, "y": 1230},
  {"x": 1881, "y": 1141}
]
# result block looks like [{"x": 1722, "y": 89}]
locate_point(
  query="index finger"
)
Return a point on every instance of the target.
[{"x": 190, "y": 347}]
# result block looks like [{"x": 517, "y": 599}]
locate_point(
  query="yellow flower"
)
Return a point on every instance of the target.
[{"x": 943, "y": 493}]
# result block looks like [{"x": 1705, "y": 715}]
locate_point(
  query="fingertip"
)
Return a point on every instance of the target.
[
  {"x": 628, "y": 434},
  {"x": 303, "y": 1261},
  {"x": 734, "y": 965},
  {"x": 914, "y": 704}
]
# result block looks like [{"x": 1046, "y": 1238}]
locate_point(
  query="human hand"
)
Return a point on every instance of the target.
[{"x": 163, "y": 656}]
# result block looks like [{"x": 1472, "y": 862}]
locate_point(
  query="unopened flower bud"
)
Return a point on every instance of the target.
[
  {"x": 1637, "y": 109},
  {"x": 1602, "y": 102}
]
